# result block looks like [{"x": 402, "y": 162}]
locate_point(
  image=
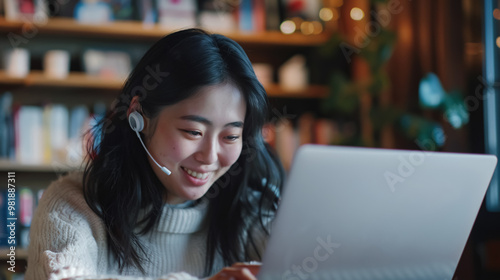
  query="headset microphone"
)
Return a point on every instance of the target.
[{"x": 136, "y": 122}]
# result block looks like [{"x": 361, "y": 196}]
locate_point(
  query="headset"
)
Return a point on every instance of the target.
[{"x": 136, "y": 122}]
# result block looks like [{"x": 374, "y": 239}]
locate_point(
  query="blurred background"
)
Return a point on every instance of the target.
[{"x": 398, "y": 74}]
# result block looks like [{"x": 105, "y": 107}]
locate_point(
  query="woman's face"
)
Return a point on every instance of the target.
[{"x": 198, "y": 139}]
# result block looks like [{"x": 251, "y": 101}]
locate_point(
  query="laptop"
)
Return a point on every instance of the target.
[{"x": 364, "y": 213}]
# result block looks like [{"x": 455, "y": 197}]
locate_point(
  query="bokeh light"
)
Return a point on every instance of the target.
[
  {"x": 307, "y": 28},
  {"x": 496, "y": 13},
  {"x": 318, "y": 27},
  {"x": 288, "y": 27},
  {"x": 357, "y": 14},
  {"x": 326, "y": 14}
]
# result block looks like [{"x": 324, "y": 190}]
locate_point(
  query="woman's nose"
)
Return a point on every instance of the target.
[{"x": 208, "y": 152}]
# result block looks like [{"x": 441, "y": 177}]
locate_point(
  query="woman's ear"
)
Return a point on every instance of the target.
[{"x": 135, "y": 106}]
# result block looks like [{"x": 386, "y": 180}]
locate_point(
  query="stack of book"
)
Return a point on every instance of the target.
[{"x": 48, "y": 134}]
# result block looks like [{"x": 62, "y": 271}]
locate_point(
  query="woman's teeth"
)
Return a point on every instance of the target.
[{"x": 195, "y": 174}]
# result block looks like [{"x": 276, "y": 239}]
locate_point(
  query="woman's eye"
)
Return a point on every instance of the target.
[
  {"x": 232, "y": 137},
  {"x": 192, "y": 132}
]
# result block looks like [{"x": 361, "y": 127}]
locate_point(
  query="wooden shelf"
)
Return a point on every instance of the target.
[
  {"x": 20, "y": 254},
  {"x": 312, "y": 91},
  {"x": 74, "y": 80},
  {"x": 81, "y": 80},
  {"x": 137, "y": 30},
  {"x": 9, "y": 165}
]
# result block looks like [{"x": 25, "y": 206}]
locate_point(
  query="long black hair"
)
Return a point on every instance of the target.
[{"x": 118, "y": 178}]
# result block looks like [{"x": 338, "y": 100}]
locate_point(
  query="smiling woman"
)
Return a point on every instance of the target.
[
  {"x": 202, "y": 109},
  {"x": 198, "y": 139}
]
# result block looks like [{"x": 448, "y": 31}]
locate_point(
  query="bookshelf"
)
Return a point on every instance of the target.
[
  {"x": 74, "y": 80},
  {"x": 11, "y": 165},
  {"x": 269, "y": 46},
  {"x": 136, "y": 30},
  {"x": 83, "y": 81},
  {"x": 127, "y": 30},
  {"x": 272, "y": 47}
]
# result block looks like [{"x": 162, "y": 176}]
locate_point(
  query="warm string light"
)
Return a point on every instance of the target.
[
  {"x": 496, "y": 13},
  {"x": 326, "y": 14},
  {"x": 357, "y": 14},
  {"x": 288, "y": 27},
  {"x": 307, "y": 28},
  {"x": 318, "y": 27}
]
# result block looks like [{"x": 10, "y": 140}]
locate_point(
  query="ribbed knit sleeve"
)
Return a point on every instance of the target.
[{"x": 66, "y": 237}]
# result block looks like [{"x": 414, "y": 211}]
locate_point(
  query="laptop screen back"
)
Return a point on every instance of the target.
[{"x": 361, "y": 213}]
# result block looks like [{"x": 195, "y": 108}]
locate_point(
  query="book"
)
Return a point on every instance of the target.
[
  {"x": 147, "y": 12},
  {"x": 259, "y": 15},
  {"x": 79, "y": 124},
  {"x": 274, "y": 14},
  {"x": 47, "y": 149},
  {"x": 5, "y": 126},
  {"x": 64, "y": 8},
  {"x": 78, "y": 116},
  {"x": 217, "y": 16},
  {"x": 29, "y": 148},
  {"x": 93, "y": 12},
  {"x": 9, "y": 235},
  {"x": 176, "y": 14},
  {"x": 58, "y": 127},
  {"x": 26, "y": 206},
  {"x": 245, "y": 15},
  {"x": 122, "y": 9},
  {"x": 15, "y": 121},
  {"x": 4, "y": 234},
  {"x": 43, "y": 135}
]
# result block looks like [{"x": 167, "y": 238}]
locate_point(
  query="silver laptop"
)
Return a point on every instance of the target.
[{"x": 363, "y": 213}]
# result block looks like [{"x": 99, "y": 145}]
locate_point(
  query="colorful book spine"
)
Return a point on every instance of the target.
[
  {"x": 9, "y": 207},
  {"x": 51, "y": 134},
  {"x": 273, "y": 14},
  {"x": 5, "y": 123},
  {"x": 30, "y": 133},
  {"x": 259, "y": 15},
  {"x": 26, "y": 207},
  {"x": 246, "y": 15}
]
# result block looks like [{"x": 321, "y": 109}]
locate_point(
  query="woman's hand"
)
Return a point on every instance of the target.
[
  {"x": 67, "y": 273},
  {"x": 238, "y": 271}
]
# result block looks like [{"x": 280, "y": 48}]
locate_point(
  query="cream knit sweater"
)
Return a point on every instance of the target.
[{"x": 68, "y": 239}]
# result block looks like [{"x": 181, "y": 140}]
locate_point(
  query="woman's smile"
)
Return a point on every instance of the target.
[{"x": 196, "y": 178}]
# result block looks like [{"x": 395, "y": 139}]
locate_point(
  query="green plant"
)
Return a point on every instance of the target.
[{"x": 346, "y": 93}]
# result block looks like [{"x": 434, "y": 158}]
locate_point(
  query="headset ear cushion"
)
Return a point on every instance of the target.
[{"x": 136, "y": 121}]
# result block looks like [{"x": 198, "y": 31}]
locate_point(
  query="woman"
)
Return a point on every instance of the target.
[{"x": 192, "y": 108}]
